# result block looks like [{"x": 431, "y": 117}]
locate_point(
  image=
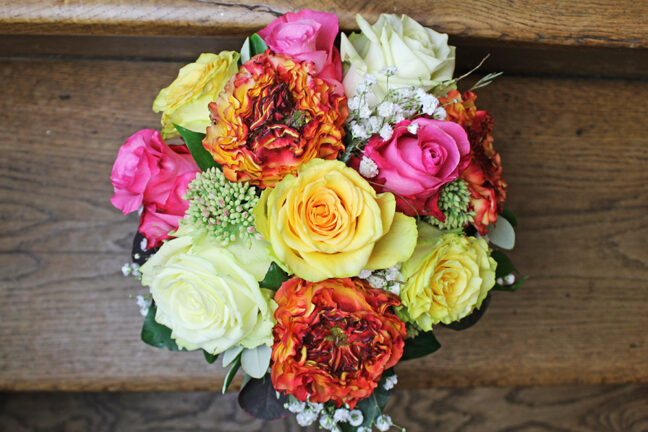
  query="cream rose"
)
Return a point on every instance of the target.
[
  {"x": 328, "y": 222},
  {"x": 185, "y": 102},
  {"x": 421, "y": 55},
  {"x": 447, "y": 277},
  {"x": 209, "y": 295}
]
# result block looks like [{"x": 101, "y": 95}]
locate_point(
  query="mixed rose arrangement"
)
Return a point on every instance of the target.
[{"x": 324, "y": 212}]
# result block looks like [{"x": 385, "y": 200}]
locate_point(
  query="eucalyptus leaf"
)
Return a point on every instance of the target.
[
  {"x": 231, "y": 373},
  {"x": 510, "y": 216},
  {"x": 231, "y": 354},
  {"x": 203, "y": 158},
  {"x": 502, "y": 234},
  {"x": 259, "y": 399},
  {"x": 255, "y": 362},
  {"x": 155, "y": 334},
  {"x": 423, "y": 344},
  {"x": 245, "y": 50},
  {"x": 274, "y": 277}
]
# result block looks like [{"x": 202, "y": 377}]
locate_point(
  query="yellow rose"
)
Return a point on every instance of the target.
[
  {"x": 328, "y": 222},
  {"x": 421, "y": 55},
  {"x": 208, "y": 295},
  {"x": 447, "y": 277},
  {"x": 185, "y": 102}
]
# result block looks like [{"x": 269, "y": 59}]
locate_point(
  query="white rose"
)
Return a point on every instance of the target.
[
  {"x": 421, "y": 55},
  {"x": 208, "y": 295}
]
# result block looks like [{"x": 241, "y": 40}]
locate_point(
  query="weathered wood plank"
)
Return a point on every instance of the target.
[
  {"x": 575, "y": 154},
  {"x": 552, "y": 409},
  {"x": 618, "y": 23}
]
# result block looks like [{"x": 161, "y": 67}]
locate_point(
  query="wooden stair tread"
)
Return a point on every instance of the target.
[
  {"x": 619, "y": 23},
  {"x": 574, "y": 154}
]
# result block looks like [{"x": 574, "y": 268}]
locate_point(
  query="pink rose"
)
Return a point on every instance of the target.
[
  {"x": 152, "y": 174},
  {"x": 308, "y": 36},
  {"x": 414, "y": 166}
]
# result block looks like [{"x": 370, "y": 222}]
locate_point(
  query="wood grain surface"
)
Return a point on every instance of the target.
[
  {"x": 575, "y": 153},
  {"x": 553, "y": 409},
  {"x": 619, "y": 23}
]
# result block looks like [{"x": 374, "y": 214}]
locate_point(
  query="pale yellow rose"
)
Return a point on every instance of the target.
[
  {"x": 447, "y": 277},
  {"x": 421, "y": 55},
  {"x": 208, "y": 295},
  {"x": 185, "y": 102},
  {"x": 328, "y": 222}
]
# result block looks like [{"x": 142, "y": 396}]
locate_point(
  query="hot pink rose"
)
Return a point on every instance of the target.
[
  {"x": 414, "y": 166},
  {"x": 308, "y": 36},
  {"x": 152, "y": 174}
]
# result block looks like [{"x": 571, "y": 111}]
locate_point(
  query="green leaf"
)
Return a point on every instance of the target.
[
  {"x": 156, "y": 334},
  {"x": 232, "y": 372},
  {"x": 373, "y": 406},
  {"x": 257, "y": 45},
  {"x": 203, "y": 158},
  {"x": 423, "y": 344},
  {"x": 504, "y": 264},
  {"x": 510, "y": 216},
  {"x": 511, "y": 288},
  {"x": 274, "y": 277},
  {"x": 210, "y": 358}
]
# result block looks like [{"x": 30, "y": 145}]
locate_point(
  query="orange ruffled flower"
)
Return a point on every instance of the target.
[
  {"x": 334, "y": 339},
  {"x": 273, "y": 116},
  {"x": 484, "y": 174}
]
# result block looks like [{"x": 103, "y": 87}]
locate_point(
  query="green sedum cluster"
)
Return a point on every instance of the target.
[
  {"x": 221, "y": 208},
  {"x": 454, "y": 202}
]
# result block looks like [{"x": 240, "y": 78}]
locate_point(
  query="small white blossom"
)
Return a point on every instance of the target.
[
  {"x": 373, "y": 124},
  {"x": 341, "y": 415},
  {"x": 413, "y": 128},
  {"x": 500, "y": 281},
  {"x": 362, "y": 89},
  {"x": 306, "y": 417},
  {"x": 144, "y": 305},
  {"x": 509, "y": 279},
  {"x": 358, "y": 131},
  {"x": 376, "y": 281},
  {"x": 370, "y": 80},
  {"x": 386, "y": 132},
  {"x": 295, "y": 406},
  {"x": 390, "y": 382},
  {"x": 386, "y": 109},
  {"x": 355, "y": 417},
  {"x": 399, "y": 117},
  {"x": 317, "y": 407},
  {"x": 364, "y": 112},
  {"x": 440, "y": 113},
  {"x": 394, "y": 289},
  {"x": 383, "y": 422},
  {"x": 126, "y": 269},
  {"x": 364, "y": 274},
  {"x": 143, "y": 244},
  {"x": 393, "y": 274},
  {"x": 135, "y": 270},
  {"x": 389, "y": 71},
  {"x": 327, "y": 422},
  {"x": 368, "y": 168},
  {"x": 354, "y": 103}
]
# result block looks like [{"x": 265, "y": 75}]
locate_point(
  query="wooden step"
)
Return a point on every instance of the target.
[
  {"x": 615, "y": 23},
  {"x": 575, "y": 152}
]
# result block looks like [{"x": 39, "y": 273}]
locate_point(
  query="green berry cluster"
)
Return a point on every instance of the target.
[
  {"x": 220, "y": 207},
  {"x": 454, "y": 202}
]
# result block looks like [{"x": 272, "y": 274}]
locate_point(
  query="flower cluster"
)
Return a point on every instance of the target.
[{"x": 328, "y": 209}]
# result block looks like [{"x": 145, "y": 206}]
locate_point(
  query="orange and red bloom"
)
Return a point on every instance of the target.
[
  {"x": 273, "y": 116},
  {"x": 484, "y": 174},
  {"x": 334, "y": 339}
]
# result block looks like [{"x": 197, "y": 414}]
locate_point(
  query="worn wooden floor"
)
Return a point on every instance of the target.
[{"x": 552, "y": 409}]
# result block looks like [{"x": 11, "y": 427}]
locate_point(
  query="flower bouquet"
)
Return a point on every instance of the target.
[{"x": 319, "y": 213}]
